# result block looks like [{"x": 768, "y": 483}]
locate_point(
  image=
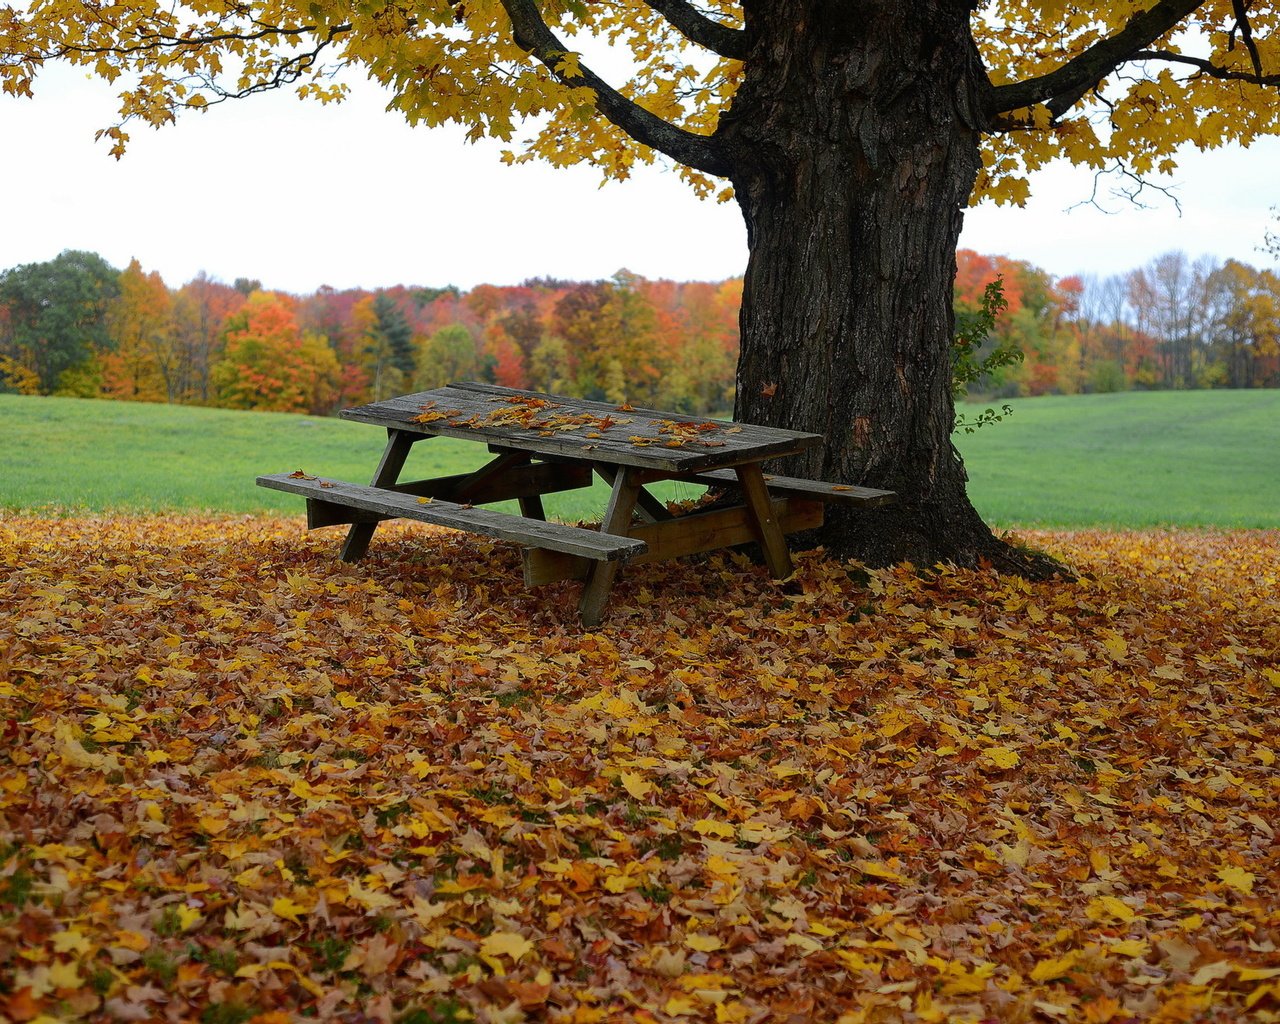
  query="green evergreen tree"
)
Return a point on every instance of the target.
[{"x": 395, "y": 331}]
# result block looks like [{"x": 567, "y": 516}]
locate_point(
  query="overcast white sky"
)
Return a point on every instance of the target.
[{"x": 298, "y": 195}]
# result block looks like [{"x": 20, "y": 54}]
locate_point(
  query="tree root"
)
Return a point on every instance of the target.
[{"x": 928, "y": 536}]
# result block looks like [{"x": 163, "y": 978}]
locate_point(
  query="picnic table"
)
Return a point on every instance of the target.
[{"x": 541, "y": 444}]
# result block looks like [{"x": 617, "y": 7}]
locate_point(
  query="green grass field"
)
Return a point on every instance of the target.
[
  {"x": 1205, "y": 458},
  {"x": 1187, "y": 458}
]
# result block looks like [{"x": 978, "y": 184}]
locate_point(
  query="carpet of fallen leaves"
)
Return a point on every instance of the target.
[{"x": 242, "y": 780}]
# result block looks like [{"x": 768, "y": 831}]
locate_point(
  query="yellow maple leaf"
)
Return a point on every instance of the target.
[
  {"x": 894, "y": 721},
  {"x": 511, "y": 944},
  {"x": 1001, "y": 757},
  {"x": 856, "y": 961},
  {"x": 1116, "y": 645},
  {"x": 189, "y": 917},
  {"x": 701, "y": 943},
  {"x": 878, "y": 870},
  {"x": 71, "y": 941},
  {"x": 135, "y": 941},
  {"x": 682, "y": 1006},
  {"x": 1103, "y": 907},
  {"x": 804, "y": 942},
  {"x": 1238, "y": 878},
  {"x": 63, "y": 974},
  {"x": 637, "y": 785},
  {"x": 1055, "y": 967},
  {"x": 372, "y": 900},
  {"x": 283, "y": 906},
  {"x": 213, "y": 826}
]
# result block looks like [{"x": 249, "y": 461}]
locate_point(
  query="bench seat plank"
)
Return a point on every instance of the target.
[
  {"x": 846, "y": 494},
  {"x": 533, "y": 533}
]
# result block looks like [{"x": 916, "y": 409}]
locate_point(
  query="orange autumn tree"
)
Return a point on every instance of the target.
[
  {"x": 852, "y": 134},
  {"x": 268, "y": 363},
  {"x": 140, "y": 365}
]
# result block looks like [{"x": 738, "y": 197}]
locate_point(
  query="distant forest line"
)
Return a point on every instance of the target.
[{"x": 75, "y": 326}]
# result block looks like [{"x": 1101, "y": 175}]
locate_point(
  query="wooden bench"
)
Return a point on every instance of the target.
[
  {"x": 840, "y": 494},
  {"x": 331, "y": 502}
]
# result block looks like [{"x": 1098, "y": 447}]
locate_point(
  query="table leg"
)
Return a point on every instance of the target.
[
  {"x": 768, "y": 531},
  {"x": 651, "y": 510},
  {"x": 617, "y": 520},
  {"x": 531, "y": 507},
  {"x": 388, "y": 472}
]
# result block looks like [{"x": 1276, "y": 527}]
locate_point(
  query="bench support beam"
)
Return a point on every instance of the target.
[{"x": 691, "y": 534}]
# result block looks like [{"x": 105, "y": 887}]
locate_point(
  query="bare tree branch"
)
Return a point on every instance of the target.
[
  {"x": 1207, "y": 67},
  {"x": 697, "y": 28},
  {"x": 697, "y": 151},
  {"x": 1130, "y": 187},
  {"x": 1061, "y": 89}
]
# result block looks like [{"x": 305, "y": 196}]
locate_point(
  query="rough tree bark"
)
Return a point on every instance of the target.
[{"x": 854, "y": 146}]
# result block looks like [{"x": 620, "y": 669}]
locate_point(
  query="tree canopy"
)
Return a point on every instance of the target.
[{"x": 1118, "y": 84}]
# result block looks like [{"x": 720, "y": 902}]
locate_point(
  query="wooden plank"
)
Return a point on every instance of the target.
[
  {"x": 760, "y": 508},
  {"x": 530, "y": 532},
  {"x": 685, "y": 535},
  {"x": 845, "y": 494},
  {"x": 616, "y": 521},
  {"x": 729, "y": 445}
]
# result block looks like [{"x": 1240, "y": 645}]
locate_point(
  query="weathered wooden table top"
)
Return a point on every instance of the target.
[{"x": 577, "y": 428}]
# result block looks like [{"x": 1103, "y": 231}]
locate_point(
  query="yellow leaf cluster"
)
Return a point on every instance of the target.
[{"x": 443, "y": 62}]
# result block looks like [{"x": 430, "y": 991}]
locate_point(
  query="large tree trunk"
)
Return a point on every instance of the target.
[{"x": 855, "y": 141}]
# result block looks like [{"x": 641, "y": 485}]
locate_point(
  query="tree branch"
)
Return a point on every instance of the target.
[
  {"x": 1207, "y": 67},
  {"x": 1241, "y": 9},
  {"x": 1061, "y": 89},
  {"x": 149, "y": 41},
  {"x": 696, "y": 151},
  {"x": 285, "y": 74},
  {"x": 697, "y": 28}
]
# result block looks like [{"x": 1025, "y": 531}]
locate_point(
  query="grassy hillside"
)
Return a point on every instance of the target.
[
  {"x": 1188, "y": 458},
  {"x": 1192, "y": 458}
]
